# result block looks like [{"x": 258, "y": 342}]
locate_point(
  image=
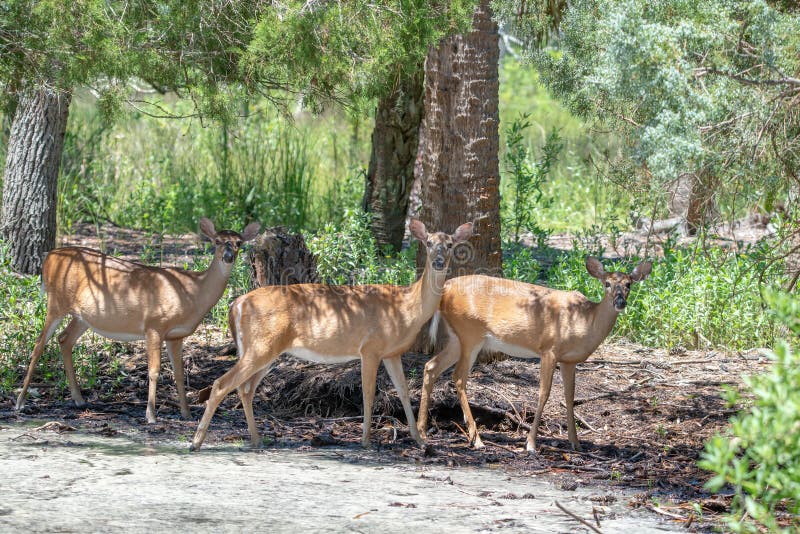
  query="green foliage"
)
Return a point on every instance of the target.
[
  {"x": 688, "y": 87},
  {"x": 759, "y": 456},
  {"x": 692, "y": 298},
  {"x": 578, "y": 193},
  {"x": 161, "y": 175},
  {"x": 526, "y": 179},
  {"x": 348, "y": 254},
  {"x": 519, "y": 263}
]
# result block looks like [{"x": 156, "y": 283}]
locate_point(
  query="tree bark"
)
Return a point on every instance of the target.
[
  {"x": 391, "y": 166},
  {"x": 28, "y": 220},
  {"x": 692, "y": 199},
  {"x": 459, "y": 143}
]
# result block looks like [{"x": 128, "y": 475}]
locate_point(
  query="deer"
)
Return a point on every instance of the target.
[
  {"x": 525, "y": 321},
  {"x": 334, "y": 324},
  {"x": 126, "y": 301}
]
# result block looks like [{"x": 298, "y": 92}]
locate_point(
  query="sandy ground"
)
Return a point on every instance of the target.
[{"x": 80, "y": 481}]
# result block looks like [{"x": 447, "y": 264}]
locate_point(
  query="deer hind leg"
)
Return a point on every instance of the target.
[
  {"x": 545, "y": 383},
  {"x": 460, "y": 375},
  {"x": 568, "y": 376},
  {"x": 369, "y": 375},
  {"x": 66, "y": 341},
  {"x": 174, "y": 350},
  {"x": 246, "y": 393},
  {"x": 50, "y": 324},
  {"x": 433, "y": 369},
  {"x": 153, "y": 341},
  {"x": 394, "y": 366},
  {"x": 237, "y": 375}
]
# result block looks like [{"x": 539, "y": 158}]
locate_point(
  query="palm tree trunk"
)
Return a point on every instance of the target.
[{"x": 459, "y": 143}]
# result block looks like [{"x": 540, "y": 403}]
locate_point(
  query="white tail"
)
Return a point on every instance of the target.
[
  {"x": 525, "y": 321},
  {"x": 334, "y": 324},
  {"x": 125, "y": 300}
]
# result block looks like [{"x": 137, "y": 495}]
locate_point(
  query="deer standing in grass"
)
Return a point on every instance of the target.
[
  {"x": 334, "y": 324},
  {"x": 125, "y": 301},
  {"x": 525, "y": 321}
]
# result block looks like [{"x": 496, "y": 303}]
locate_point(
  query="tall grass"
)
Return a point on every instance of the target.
[
  {"x": 693, "y": 298},
  {"x": 163, "y": 174}
]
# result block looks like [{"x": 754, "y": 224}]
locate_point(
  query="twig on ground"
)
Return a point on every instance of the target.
[
  {"x": 578, "y": 519},
  {"x": 658, "y": 510},
  {"x": 579, "y": 418}
]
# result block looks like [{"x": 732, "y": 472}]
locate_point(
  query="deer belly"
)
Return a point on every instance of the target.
[
  {"x": 117, "y": 336},
  {"x": 316, "y": 357},
  {"x": 179, "y": 332},
  {"x": 498, "y": 345}
]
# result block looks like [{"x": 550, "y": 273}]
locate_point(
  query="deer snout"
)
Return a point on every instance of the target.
[
  {"x": 620, "y": 302},
  {"x": 228, "y": 255}
]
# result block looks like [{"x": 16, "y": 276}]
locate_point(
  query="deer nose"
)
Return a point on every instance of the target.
[
  {"x": 620, "y": 302},
  {"x": 438, "y": 263},
  {"x": 228, "y": 255}
]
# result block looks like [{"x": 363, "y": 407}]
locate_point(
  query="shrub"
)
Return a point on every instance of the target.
[
  {"x": 693, "y": 298},
  {"x": 759, "y": 455}
]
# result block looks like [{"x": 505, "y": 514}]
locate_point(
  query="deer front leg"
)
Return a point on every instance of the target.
[
  {"x": 66, "y": 341},
  {"x": 394, "y": 366},
  {"x": 369, "y": 374},
  {"x": 545, "y": 383},
  {"x": 433, "y": 369},
  {"x": 237, "y": 375},
  {"x": 153, "y": 341},
  {"x": 568, "y": 376},
  {"x": 174, "y": 347},
  {"x": 50, "y": 325}
]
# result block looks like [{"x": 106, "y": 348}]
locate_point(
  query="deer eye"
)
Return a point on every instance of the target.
[
  {"x": 628, "y": 285},
  {"x": 608, "y": 285},
  {"x": 430, "y": 243},
  {"x": 217, "y": 241}
]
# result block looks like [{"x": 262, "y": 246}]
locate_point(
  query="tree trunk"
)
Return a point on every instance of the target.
[
  {"x": 28, "y": 221},
  {"x": 459, "y": 144},
  {"x": 391, "y": 166},
  {"x": 692, "y": 199}
]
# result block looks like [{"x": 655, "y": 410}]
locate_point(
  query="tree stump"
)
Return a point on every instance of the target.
[{"x": 279, "y": 258}]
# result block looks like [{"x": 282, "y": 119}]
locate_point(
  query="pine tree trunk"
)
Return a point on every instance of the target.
[
  {"x": 28, "y": 221},
  {"x": 391, "y": 166},
  {"x": 459, "y": 143}
]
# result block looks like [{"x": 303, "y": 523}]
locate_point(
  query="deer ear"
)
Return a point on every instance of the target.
[
  {"x": 207, "y": 227},
  {"x": 418, "y": 230},
  {"x": 595, "y": 268},
  {"x": 250, "y": 231},
  {"x": 463, "y": 232},
  {"x": 641, "y": 271}
]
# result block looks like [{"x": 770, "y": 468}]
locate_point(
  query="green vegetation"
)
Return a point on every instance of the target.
[{"x": 759, "y": 456}]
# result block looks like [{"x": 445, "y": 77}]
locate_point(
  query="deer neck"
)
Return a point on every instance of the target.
[
  {"x": 212, "y": 283},
  {"x": 427, "y": 292},
  {"x": 604, "y": 316}
]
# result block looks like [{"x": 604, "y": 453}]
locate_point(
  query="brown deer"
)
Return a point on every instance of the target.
[
  {"x": 525, "y": 321},
  {"x": 125, "y": 301},
  {"x": 334, "y": 324}
]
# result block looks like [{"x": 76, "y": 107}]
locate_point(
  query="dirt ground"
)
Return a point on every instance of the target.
[{"x": 644, "y": 414}]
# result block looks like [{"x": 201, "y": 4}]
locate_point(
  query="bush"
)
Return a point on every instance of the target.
[
  {"x": 692, "y": 299},
  {"x": 760, "y": 454},
  {"x": 347, "y": 254}
]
